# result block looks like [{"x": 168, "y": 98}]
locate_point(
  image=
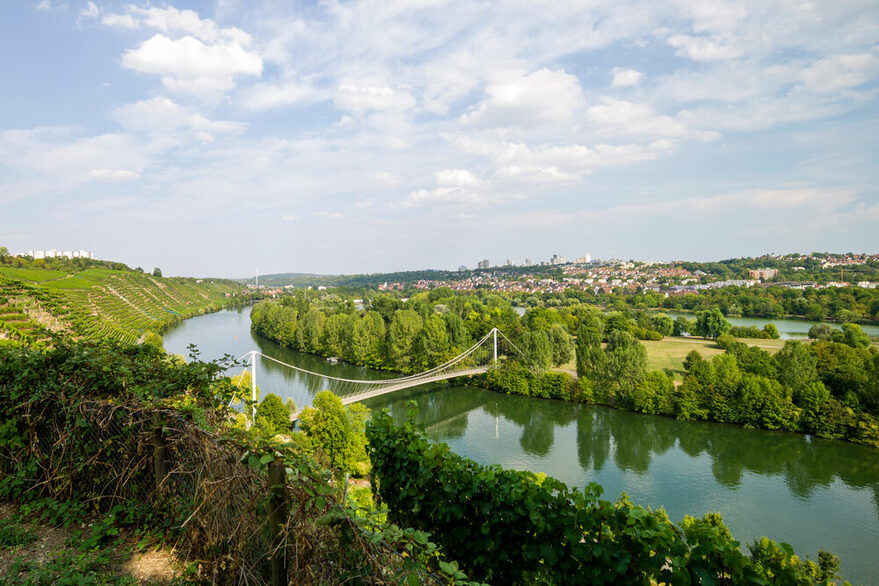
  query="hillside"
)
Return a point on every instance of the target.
[{"x": 102, "y": 302}]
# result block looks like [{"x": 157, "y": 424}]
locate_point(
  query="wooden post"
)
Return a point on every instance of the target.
[
  {"x": 278, "y": 519},
  {"x": 160, "y": 452}
]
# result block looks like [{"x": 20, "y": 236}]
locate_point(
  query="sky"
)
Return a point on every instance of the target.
[{"x": 229, "y": 137}]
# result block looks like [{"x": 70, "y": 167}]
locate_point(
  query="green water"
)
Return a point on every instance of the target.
[{"x": 811, "y": 493}]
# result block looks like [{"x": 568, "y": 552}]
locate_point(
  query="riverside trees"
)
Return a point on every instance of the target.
[{"x": 830, "y": 387}]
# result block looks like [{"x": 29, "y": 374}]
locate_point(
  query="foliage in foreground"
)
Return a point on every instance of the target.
[
  {"x": 509, "y": 526},
  {"x": 79, "y": 429}
]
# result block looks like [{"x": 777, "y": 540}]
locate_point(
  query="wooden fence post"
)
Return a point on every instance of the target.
[
  {"x": 160, "y": 452},
  {"x": 278, "y": 520}
]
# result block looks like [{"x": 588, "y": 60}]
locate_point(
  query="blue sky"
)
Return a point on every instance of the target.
[{"x": 226, "y": 137}]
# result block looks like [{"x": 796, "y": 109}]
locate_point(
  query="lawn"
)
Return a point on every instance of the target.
[
  {"x": 69, "y": 283},
  {"x": 670, "y": 352},
  {"x": 35, "y": 275}
]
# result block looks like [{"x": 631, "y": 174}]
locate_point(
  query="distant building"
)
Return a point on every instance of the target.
[
  {"x": 763, "y": 274},
  {"x": 484, "y": 263},
  {"x": 510, "y": 262},
  {"x": 584, "y": 260},
  {"x": 558, "y": 260},
  {"x": 54, "y": 253},
  {"x": 528, "y": 262},
  {"x": 463, "y": 268}
]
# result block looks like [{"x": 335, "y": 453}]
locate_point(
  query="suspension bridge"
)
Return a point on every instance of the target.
[{"x": 477, "y": 359}]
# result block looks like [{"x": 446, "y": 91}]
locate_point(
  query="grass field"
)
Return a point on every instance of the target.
[
  {"x": 670, "y": 352},
  {"x": 69, "y": 283},
  {"x": 35, "y": 275}
]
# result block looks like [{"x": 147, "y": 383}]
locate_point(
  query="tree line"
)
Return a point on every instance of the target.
[{"x": 829, "y": 387}]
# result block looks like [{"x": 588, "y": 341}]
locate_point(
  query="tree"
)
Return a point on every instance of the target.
[
  {"x": 272, "y": 416},
  {"x": 153, "y": 339},
  {"x": 332, "y": 435},
  {"x": 626, "y": 363},
  {"x": 663, "y": 324},
  {"x": 616, "y": 322},
  {"x": 157, "y": 272},
  {"x": 797, "y": 367},
  {"x": 691, "y": 359},
  {"x": 562, "y": 345},
  {"x": 4, "y": 252},
  {"x": 852, "y": 335},
  {"x": 336, "y": 334},
  {"x": 820, "y": 332},
  {"x": 402, "y": 333},
  {"x": 538, "y": 349},
  {"x": 590, "y": 356},
  {"x": 310, "y": 331},
  {"x": 433, "y": 345},
  {"x": 683, "y": 325},
  {"x": 711, "y": 323},
  {"x": 653, "y": 394},
  {"x": 367, "y": 339}
]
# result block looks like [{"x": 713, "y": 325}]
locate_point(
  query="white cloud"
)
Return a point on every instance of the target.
[
  {"x": 515, "y": 99},
  {"x": 120, "y": 20},
  {"x": 44, "y": 5},
  {"x": 90, "y": 11},
  {"x": 622, "y": 118},
  {"x": 190, "y": 66},
  {"x": 457, "y": 177},
  {"x": 161, "y": 115},
  {"x": 288, "y": 217},
  {"x": 703, "y": 49},
  {"x": 357, "y": 97},
  {"x": 113, "y": 174},
  {"x": 840, "y": 72},
  {"x": 267, "y": 96},
  {"x": 458, "y": 196},
  {"x": 814, "y": 201},
  {"x": 626, "y": 78}
]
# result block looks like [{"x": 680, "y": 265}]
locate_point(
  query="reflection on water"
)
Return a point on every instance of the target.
[
  {"x": 811, "y": 493},
  {"x": 635, "y": 440}
]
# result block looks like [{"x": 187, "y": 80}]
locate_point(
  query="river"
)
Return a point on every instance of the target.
[{"x": 812, "y": 493}]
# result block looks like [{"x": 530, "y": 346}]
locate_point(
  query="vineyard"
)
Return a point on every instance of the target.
[{"x": 102, "y": 303}]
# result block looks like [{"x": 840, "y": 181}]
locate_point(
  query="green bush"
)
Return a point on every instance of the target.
[{"x": 272, "y": 416}]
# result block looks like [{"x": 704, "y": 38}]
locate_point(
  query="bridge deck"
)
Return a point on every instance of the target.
[{"x": 405, "y": 385}]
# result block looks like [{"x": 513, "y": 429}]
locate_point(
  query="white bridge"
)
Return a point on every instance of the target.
[{"x": 475, "y": 360}]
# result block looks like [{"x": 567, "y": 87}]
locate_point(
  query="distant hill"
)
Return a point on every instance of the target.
[
  {"x": 374, "y": 279},
  {"x": 100, "y": 302}
]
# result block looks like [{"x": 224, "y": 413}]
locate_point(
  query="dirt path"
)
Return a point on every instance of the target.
[{"x": 153, "y": 566}]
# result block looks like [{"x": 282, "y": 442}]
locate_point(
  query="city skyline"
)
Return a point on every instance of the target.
[{"x": 218, "y": 138}]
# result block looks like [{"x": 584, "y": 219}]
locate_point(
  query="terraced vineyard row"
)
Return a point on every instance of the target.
[{"x": 103, "y": 303}]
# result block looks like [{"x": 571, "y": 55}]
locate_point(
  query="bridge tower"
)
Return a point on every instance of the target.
[
  {"x": 494, "y": 335},
  {"x": 253, "y": 381}
]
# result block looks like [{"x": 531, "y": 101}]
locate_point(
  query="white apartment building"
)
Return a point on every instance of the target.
[{"x": 54, "y": 253}]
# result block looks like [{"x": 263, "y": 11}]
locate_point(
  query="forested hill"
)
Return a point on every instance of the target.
[
  {"x": 372, "y": 280},
  {"x": 100, "y": 301}
]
